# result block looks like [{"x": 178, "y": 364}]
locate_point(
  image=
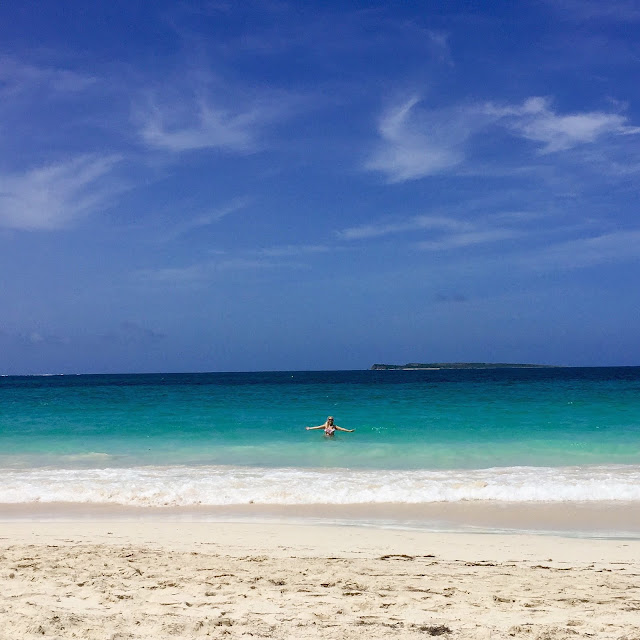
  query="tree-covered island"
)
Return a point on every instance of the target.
[{"x": 456, "y": 365}]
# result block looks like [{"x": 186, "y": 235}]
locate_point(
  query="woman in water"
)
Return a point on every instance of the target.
[{"x": 329, "y": 428}]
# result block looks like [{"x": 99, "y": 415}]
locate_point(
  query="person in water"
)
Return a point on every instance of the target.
[{"x": 330, "y": 427}]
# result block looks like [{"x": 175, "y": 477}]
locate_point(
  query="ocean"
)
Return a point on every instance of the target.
[{"x": 568, "y": 436}]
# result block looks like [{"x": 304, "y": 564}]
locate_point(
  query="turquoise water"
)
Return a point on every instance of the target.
[{"x": 185, "y": 438}]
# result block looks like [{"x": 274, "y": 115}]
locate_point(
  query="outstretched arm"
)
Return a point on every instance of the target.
[
  {"x": 341, "y": 429},
  {"x": 312, "y": 428}
]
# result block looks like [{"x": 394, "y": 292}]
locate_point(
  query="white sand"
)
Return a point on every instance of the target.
[{"x": 117, "y": 579}]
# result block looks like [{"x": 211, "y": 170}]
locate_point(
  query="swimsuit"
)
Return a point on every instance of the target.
[{"x": 329, "y": 430}]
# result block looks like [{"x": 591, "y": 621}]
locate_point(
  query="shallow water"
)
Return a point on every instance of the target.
[{"x": 515, "y": 435}]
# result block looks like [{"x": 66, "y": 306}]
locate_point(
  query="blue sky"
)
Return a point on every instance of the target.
[{"x": 216, "y": 186}]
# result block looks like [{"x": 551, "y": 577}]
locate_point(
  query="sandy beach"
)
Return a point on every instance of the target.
[{"x": 116, "y": 579}]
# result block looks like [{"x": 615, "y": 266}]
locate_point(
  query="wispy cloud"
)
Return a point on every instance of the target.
[
  {"x": 53, "y": 196},
  {"x": 206, "y": 219},
  {"x": 439, "y": 44},
  {"x": 208, "y": 127},
  {"x": 446, "y": 232},
  {"x": 415, "y": 142},
  {"x": 535, "y": 120},
  {"x": 290, "y": 250},
  {"x": 209, "y": 115},
  {"x": 415, "y": 223},
  {"x": 198, "y": 274},
  {"x": 188, "y": 275},
  {"x": 17, "y": 77},
  {"x": 469, "y": 238},
  {"x": 587, "y": 10},
  {"x": 616, "y": 246}
]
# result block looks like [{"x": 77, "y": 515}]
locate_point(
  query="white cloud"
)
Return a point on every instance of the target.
[
  {"x": 206, "y": 115},
  {"x": 52, "y": 196},
  {"x": 414, "y": 144},
  {"x": 216, "y": 215},
  {"x": 211, "y": 127},
  {"x": 586, "y": 10},
  {"x": 470, "y": 238},
  {"x": 199, "y": 274},
  {"x": 17, "y": 77},
  {"x": 412, "y": 224},
  {"x": 173, "y": 276},
  {"x": 448, "y": 233},
  {"x": 535, "y": 120},
  {"x": 291, "y": 250},
  {"x": 617, "y": 246},
  {"x": 439, "y": 44},
  {"x": 206, "y": 219}
]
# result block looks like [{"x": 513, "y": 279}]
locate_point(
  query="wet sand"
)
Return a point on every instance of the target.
[{"x": 596, "y": 519}]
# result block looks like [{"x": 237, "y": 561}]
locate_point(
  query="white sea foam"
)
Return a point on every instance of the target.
[{"x": 188, "y": 486}]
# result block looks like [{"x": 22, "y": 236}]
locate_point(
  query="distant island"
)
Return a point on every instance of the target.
[{"x": 457, "y": 365}]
